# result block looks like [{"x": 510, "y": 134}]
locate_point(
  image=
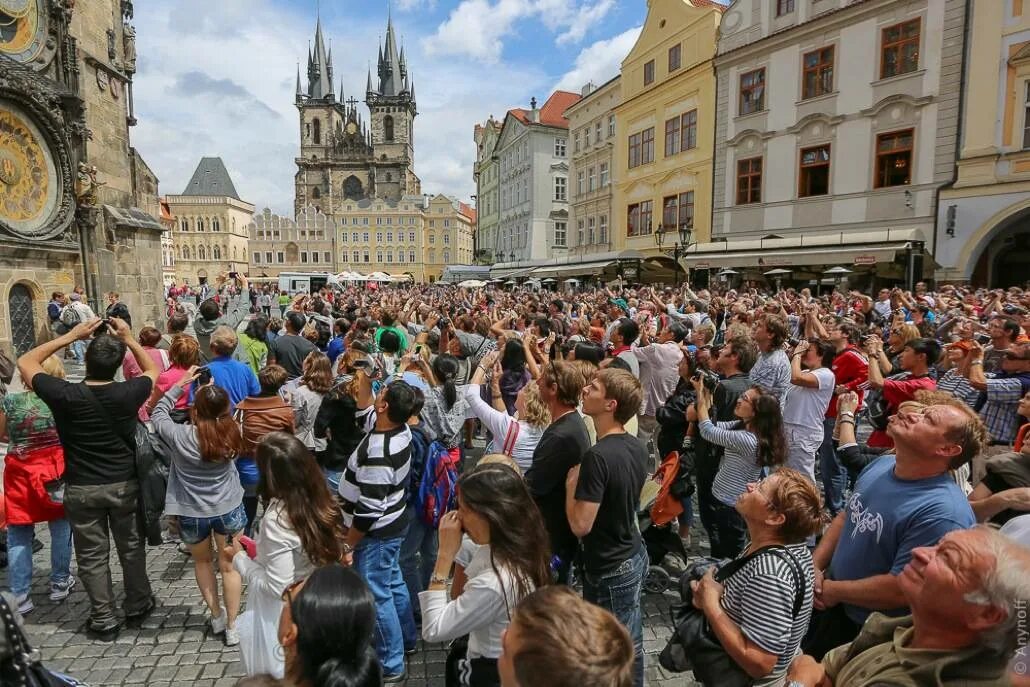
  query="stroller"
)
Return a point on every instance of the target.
[{"x": 668, "y": 557}]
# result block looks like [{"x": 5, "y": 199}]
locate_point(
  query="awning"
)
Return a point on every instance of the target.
[
  {"x": 799, "y": 257},
  {"x": 571, "y": 270}
]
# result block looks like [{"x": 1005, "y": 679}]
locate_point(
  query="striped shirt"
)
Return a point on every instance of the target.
[
  {"x": 759, "y": 598},
  {"x": 374, "y": 484},
  {"x": 959, "y": 387},
  {"x": 739, "y": 464},
  {"x": 772, "y": 372}
]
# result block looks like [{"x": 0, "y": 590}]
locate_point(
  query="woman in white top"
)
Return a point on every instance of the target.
[
  {"x": 805, "y": 402},
  {"x": 514, "y": 436},
  {"x": 497, "y": 512},
  {"x": 301, "y": 529},
  {"x": 316, "y": 380}
]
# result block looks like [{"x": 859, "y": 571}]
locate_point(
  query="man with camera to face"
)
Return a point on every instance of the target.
[{"x": 735, "y": 360}]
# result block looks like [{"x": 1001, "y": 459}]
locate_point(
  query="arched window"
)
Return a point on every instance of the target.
[
  {"x": 200, "y": 224},
  {"x": 216, "y": 225},
  {"x": 184, "y": 224},
  {"x": 216, "y": 253},
  {"x": 200, "y": 253},
  {"x": 388, "y": 128},
  {"x": 316, "y": 193},
  {"x": 317, "y": 124}
]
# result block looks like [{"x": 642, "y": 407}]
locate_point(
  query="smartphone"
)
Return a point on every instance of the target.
[
  {"x": 249, "y": 545},
  {"x": 234, "y": 275},
  {"x": 204, "y": 375}
]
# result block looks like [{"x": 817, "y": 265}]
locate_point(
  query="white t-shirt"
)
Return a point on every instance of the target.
[{"x": 805, "y": 406}]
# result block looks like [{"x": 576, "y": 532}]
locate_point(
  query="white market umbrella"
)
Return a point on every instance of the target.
[{"x": 472, "y": 284}]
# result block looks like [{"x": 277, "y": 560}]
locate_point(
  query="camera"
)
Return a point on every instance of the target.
[
  {"x": 443, "y": 323},
  {"x": 203, "y": 375},
  {"x": 710, "y": 380}
]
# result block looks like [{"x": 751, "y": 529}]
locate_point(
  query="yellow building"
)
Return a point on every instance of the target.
[
  {"x": 983, "y": 219},
  {"x": 380, "y": 236},
  {"x": 448, "y": 235},
  {"x": 665, "y": 127}
]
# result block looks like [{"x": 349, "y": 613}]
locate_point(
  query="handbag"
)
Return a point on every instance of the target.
[
  {"x": 694, "y": 646},
  {"x": 20, "y": 665}
]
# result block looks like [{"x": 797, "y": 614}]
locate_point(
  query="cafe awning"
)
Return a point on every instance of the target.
[{"x": 571, "y": 270}]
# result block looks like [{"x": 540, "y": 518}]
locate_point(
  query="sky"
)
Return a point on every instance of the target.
[{"x": 218, "y": 77}]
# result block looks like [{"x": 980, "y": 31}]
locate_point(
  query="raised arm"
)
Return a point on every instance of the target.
[{"x": 31, "y": 363}]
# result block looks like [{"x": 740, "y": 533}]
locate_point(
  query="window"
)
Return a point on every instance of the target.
[
  {"x": 365, "y": 257},
  {"x": 389, "y": 256},
  {"x": 590, "y": 230},
  {"x": 894, "y": 159},
  {"x": 575, "y": 142},
  {"x": 379, "y": 221},
  {"x": 688, "y": 130},
  {"x": 559, "y": 147},
  {"x": 388, "y": 128},
  {"x": 379, "y": 237},
  {"x": 364, "y": 220},
  {"x": 560, "y": 234},
  {"x": 597, "y": 131},
  {"x": 638, "y": 220},
  {"x": 611, "y": 125},
  {"x": 432, "y": 224},
  {"x": 579, "y": 183},
  {"x": 591, "y": 179},
  {"x": 1026, "y": 117},
  {"x": 185, "y": 224},
  {"x": 784, "y": 7},
  {"x": 686, "y": 218},
  {"x": 752, "y": 91},
  {"x": 400, "y": 256},
  {"x": 899, "y": 53},
  {"x": 649, "y": 72},
  {"x": 817, "y": 73},
  {"x": 814, "y": 172},
  {"x": 257, "y": 258},
  {"x": 674, "y": 58},
  {"x": 355, "y": 256},
  {"x": 579, "y": 233},
  {"x": 354, "y": 237},
  {"x": 304, "y": 256},
  {"x": 215, "y": 226},
  {"x": 446, "y": 238},
  {"x": 672, "y": 136},
  {"x": 318, "y": 132},
  {"x": 432, "y": 238},
  {"x": 268, "y": 257},
  {"x": 389, "y": 221},
  {"x": 446, "y": 256},
  {"x": 602, "y": 224},
  {"x": 432, "y": 256},
  {"x": 314, "y": 256},
  {"x": 749, "y": 181},
  {"x": 200, "y": 225},
  {"x": 364, "y": 237},
  {"x": 561, "y": 188},
  {"x": 647, "y": 146},
  {"x": 670, "y": 212},
  {"x": 328, "y": 256},
  {"x": 411, "y": 256},
  {"x": 411, "y": 236},
  {"x": 280, "y": 258},
  {"x": 379, "y": 256},
  {"x": 447, "y": 223},
  {"x": 604, "y": 172},
  {"x": 389, "y": 237}
]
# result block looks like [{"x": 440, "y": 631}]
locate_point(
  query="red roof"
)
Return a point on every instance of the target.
[
  {"x": 553, "y": 111},
  {"x": 166, "y": 212},
  {"x": 468, "y": 211},
  {"x": 709, "y": 3}
]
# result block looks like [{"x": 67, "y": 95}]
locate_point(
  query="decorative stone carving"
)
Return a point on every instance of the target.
[
  {"x": 129, "y": 46},
  {"x": 111, "y": 52},
  {"x": 86, "y": 185}
]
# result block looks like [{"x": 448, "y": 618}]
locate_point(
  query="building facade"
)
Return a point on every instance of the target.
[
  {"x": 593, "y": 131},
  {"x": 486, "y": 174},
  {"x": 837, "y": 126},
  {"x": 664, "y": 128},
  {"x": 983, "y": 219},
  {"x": 533, "y": 185},
  {"x": 210, "y": 235},
  {"x": 167, "y": 220},
  {"x": 280, "y": 244},
  {"x": 66, "y": 76},
  {"x": 380, "y": 235},
  {"x": 341, "y": 156},
  {"x": 448, "y": 228}
]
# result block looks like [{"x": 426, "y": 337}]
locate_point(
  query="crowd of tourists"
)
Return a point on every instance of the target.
[{"x": 859, "y": 465}]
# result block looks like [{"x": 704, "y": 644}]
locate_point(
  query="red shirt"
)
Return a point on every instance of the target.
[
  {"x": 896, "y": 392},
  {"x": 851, "y": 369}
]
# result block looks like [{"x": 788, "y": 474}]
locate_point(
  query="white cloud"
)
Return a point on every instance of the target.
[
  {"x": 408, "y": 5},
  {"x": 599, "y": 61}
]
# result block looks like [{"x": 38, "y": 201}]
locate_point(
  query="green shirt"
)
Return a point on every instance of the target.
[{"x": 400, "y": 333}]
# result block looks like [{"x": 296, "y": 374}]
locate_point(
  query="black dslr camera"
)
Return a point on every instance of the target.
[{"x": 709, "y": 379}]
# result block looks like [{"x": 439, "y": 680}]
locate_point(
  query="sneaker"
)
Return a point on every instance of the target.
[
  {"x": 232, "y": 636},
  {"x": 107, "y": 633},
  {"x": 217, "y": 623},
  {"x": 59, "y": 591},
  {"x": 184, "y": 548},
  {"x": 25, "y": 605},
  {"x": 398, "y": 679}
]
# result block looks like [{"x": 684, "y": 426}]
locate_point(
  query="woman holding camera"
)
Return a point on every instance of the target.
[
  {"x": 759, "y": 605},
  {"x": 204, "y": 490},
  {"x": 754, "y": 444},
  {"x": 337, "y": 422},
  {"x": 497, "y": 512}
]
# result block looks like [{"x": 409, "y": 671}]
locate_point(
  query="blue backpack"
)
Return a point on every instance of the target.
[{"x": 437, "y": 486}]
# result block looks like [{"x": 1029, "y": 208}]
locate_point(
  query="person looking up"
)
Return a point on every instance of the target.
[{"x": 291, "y": 349}]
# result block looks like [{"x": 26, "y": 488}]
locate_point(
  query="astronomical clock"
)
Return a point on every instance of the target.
[{"x": 36, "y": 198}]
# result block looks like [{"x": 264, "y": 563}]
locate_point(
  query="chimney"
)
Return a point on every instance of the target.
[
  {"x": 588, "y": 89},
  {"x": 534, "y": 114}
]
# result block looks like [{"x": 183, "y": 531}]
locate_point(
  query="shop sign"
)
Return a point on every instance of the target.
[{"x": 865, "y": 259}]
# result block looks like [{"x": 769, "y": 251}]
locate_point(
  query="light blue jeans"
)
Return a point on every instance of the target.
[
  {"x": 79, "y": 351},
  {"x": 378, "y": 562},
  {"x": 19, "y": 555},
  {"x": 620, "y": 591}
]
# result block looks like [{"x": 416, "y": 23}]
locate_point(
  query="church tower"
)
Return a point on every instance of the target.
[{"x": 391, "y": 103}]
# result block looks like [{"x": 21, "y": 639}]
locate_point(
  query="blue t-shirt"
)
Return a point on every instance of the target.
[
  {"x": 886, "y": 517},
  {"x": 238, "y": 380}
]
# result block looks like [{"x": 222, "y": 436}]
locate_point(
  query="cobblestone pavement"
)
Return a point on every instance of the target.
[{"x": 174, "y": 649}]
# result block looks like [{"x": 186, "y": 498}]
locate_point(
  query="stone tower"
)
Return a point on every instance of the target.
[{"x": 391, "y": 103}]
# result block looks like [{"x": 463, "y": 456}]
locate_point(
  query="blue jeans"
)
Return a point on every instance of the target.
[
  {"x": 834, "y": 475},
  {"x": 195, "y": 530},
  {"x": 79, "y": 351},
  {"x": 378, "y": 562},
  {"x": 418, "y": 555},
  {"x": 19, "y": 554},
  {"x": 620, "y": 591}
]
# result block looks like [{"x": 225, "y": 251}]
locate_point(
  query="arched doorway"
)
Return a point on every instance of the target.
[
  {"x": 23, "y": 318},
  {"x": 1004, "y": 258}
]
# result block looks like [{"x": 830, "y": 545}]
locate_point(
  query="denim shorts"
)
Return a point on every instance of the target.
[{"x": 195, "y": 530}]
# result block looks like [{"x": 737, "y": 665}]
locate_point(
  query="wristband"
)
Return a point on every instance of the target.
[
  {"x": 976, "y": 362},
  {"x": 436, "y": 579}
]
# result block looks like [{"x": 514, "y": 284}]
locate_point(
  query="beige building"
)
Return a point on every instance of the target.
[
  {"x": 65, "y": 92},
  {"x": 837, "y": 126},
  {"x": 983, "y": 219},
  {"x": 210, "y": 234},
  {"x": 448, "y": 229},
  {"x": 591, "y": 172},
  {"x": 280, "y": 244},
  {"x": 381, "y": 236},
  {"x": 167, "y": 220}
]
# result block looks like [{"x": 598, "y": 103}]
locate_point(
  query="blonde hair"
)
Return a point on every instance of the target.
[
  {"x": 537, "y": 413},
  {"x": 908, "y": 332},
  {"x": 500, "y": 459},
  {"x": 223, "y": 340},
  {"x": 54, "y": 367}
]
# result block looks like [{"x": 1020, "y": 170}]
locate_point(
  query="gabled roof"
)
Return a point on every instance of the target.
[
  {"x": 553, "y": 111},
  {"x": 211, "y": 179}
]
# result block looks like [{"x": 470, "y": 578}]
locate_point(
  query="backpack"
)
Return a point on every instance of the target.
[
  {"x": 70, "y": 316},
  {"x": 878, "y": 410},
  {"x": 419, "y": 451},
  {"x": 437, "y": 492}
]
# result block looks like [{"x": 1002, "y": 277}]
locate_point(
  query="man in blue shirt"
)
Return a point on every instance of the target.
[
  {"x": 336, "y": 347},
  {"x": 899, "y": 503},
  {"x": 238, "y": 380}
]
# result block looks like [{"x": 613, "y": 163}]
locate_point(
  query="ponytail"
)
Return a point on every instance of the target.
[
  {"x": 362, "y": 670},
  {"x": 445, "y": 369}
]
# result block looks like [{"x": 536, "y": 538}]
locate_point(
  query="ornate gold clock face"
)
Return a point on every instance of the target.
[
  {"x": 28, "y": 177},
  {"x": 22, "y": 29},
  {"x": 352, "y": 128}
]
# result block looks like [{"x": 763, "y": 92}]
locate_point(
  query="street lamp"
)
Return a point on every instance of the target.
[{"x": 679, "y": 248}]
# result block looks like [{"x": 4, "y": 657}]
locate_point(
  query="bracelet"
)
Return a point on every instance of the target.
[
  {"x": 347, "y": 548},
  {"x": 436, "y": 579},
  {"x": 846, "y": 421},
  {"x": 847, "y": 413},
  {"x": 976, "y": 362}
]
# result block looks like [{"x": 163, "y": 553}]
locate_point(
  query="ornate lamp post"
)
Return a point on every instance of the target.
[{"x": 679, "y": 248}]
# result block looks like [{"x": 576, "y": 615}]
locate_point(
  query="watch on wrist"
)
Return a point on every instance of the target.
[
  {"x": 347, "y": 548},
  {"x": 976, "y": 362},
  {"x": 436, "y": 579}
]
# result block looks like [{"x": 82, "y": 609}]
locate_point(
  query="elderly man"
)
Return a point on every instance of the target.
[
  {"x": 659, "y": 372},
  {"x": 966, "y": 595},
  {"x": 899, "y": 503}
]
